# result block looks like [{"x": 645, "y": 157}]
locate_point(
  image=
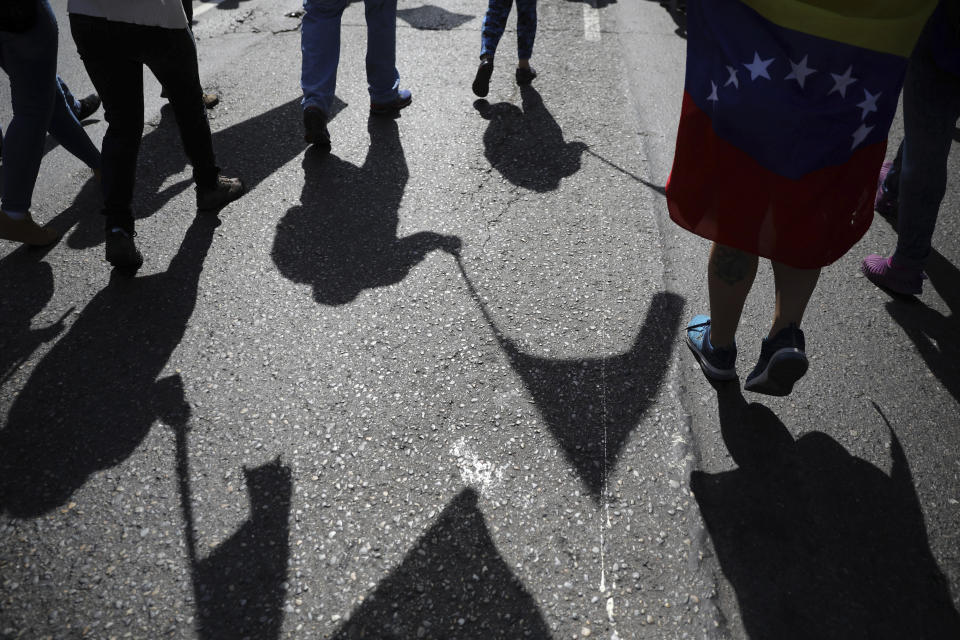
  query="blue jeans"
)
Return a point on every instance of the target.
[
  {"x": 495, "y": 21},
  {"x": 918, "y": 179},
  {"x": 320, "y": 45},
  {"x": 30, "y": 59}
]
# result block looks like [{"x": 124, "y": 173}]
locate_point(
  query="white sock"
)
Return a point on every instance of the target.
[{"x": 15, "y": 215}]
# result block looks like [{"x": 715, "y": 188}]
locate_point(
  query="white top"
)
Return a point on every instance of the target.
[{"x": 151, "y": 13}]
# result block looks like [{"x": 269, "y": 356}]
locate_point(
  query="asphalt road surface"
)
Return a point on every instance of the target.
[{"x": 432, "y": 385}]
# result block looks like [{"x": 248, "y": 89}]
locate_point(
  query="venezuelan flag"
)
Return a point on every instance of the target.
[{"x": 786, "y": 109}]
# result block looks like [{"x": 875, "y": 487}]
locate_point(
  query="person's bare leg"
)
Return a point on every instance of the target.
[
  {"x": 730, "y": 274},
  {"x": 794, "y": 288}
]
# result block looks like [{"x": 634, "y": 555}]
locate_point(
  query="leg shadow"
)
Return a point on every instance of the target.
[
  {"x": 342, "y": 237},
  {"x": 526, "y": 145},
  {"x": 933, "y": 333},
  {"x": 91, "y": 400},
  {"x": 818, "y": 543},
  {"x": 252, "y": 149},
  {"x": 453, "y": 584},
  {"x": 591, "y": 405}
]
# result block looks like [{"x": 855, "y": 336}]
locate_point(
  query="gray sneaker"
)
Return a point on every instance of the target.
[{"x": 211, "y": 199}]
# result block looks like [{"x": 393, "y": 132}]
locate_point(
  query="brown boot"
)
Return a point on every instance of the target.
[{"x": 26, "y": 231}]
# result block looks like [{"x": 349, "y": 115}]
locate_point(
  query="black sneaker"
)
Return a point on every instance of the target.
[
  {"x": 88, "y": 106},
  {"x": 210, "y": 200},
  {"x": 392, "y": 108},
  {"x": 315, "y": 127},
  {"x": 525, "y": 75},
  {"x": 481, "y": 83},
  {"x": 782, "y": 362},
  {"x": 121, "y": 251}
]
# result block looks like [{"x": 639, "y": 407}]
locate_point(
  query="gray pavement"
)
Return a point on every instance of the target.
[{"x": 432, "y": 385}]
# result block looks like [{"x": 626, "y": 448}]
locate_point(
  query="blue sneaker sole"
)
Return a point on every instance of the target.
[
  {"x": 712, "y": 372},
  {"x": 786, "y": 366}
]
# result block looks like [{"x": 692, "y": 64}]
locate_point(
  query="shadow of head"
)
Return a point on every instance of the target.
[
  {"x": 342, "y": 237},
  {"x": 814, "y": 538},
  {"x": 525, "y": 144}
]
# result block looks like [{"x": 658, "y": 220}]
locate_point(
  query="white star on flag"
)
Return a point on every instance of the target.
[
  {"x": 732, "y": 80},
  {"x": 859, "y": 135},
  {"x": 842, "y": 82},
  {"x": 869, "y": 104},
  {"x": 758, "y": 68},
  {"x": 713, "y": 94},
  {"x": 800, "y": 71}
]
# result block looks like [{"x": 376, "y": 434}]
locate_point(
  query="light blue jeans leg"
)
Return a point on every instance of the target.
[
  {"x": 320, "y": 48},
  {"x": 931, "y": 106},
  {"x": 30, "y": 60},
  {"x": 383, "y": 79},
  {"x": 68, "y": 131}
]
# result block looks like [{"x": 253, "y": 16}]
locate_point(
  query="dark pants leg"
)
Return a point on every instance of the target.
[
  {"x": 114, "y": 54},
  {"x": 188, "y": 9}
]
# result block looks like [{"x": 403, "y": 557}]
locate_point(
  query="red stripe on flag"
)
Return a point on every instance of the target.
[{"x": 721, "y": 193}]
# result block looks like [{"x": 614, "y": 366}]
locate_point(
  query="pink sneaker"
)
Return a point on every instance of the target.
[{"x": 881, "y": 272}]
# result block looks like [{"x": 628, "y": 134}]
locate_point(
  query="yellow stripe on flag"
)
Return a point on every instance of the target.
[{"x": 888, "y": 26}]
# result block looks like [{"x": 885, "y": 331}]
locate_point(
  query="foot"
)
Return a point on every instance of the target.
[
  {"x": 885, "y": 202},
  {"x": 481, "y": 82},
  {"x": 27, "y": 231},
  {"x": 211, "y": 199},
  {"x": 88, "y": 106},
  {"x": 525, "y": 75},
  {"x": 404, "y": 98},
  {"x": 782, "y": 362},
  {"x": 717, "y": 364},
  {"x": 122, "y": 253},
  {"x": 899, "y": 279},
  {"x": 315, "y": 127}
]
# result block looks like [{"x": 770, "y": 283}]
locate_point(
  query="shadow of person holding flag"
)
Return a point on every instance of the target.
[
  {"x": 93, "y": 397},
  {"x": 342, "y": 237},
  {"x": 239, "y": 589},
  {"x": 526, "y": 144},
  {"x": 818, "y": 543}
]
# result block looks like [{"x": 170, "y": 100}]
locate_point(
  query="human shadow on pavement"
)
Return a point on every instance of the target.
[
  {"x": 526, "y": 144},
  {"x": 678, "y": 13},
  {"x": 342, "y": 237},
  {"x": 596, "y": 4},
  {"x": 935, "y": 334},
  {"x": 453, "y": 584},
  {"x": 818, "y": 543},
  {"x": 91, "y": 400},
  {"x": 432, "y": 18},
  {"x": 251, "y": 150},
  {"x": 591, "y": 405},
  {"x": 239, "y": 589}
]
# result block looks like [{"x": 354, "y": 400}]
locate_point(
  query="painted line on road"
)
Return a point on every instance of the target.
[
  {"x": 205, "y": 6},
  {"x": 591, "y": 21}
]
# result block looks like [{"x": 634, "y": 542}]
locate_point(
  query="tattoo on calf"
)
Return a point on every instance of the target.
[{"x": 731, "y": 265}]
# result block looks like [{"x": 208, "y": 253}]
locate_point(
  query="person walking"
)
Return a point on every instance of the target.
[
  {"x": 28, "y": 54},
  {"x": 782, "y": 133},
  {"x": 494, "y": 22},
  {"x": 115, "y": 40},
  {"x": 913, "y": 187},
  {"x": 320, "y": 46}
]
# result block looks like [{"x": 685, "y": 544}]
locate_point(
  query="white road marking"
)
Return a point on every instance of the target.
[
  {"x": 591, "y": 21},
  {"x": 475, "y": 472},
  {"x": 204, "y": 7}
]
